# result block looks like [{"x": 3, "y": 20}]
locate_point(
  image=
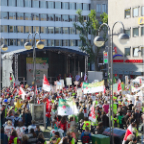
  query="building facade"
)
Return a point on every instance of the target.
[
  {"x": 52, "y": 19},
  {"x": 128, "y": 59}
]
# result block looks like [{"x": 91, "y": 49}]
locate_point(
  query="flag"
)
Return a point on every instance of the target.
[
  {"x": 104, "y": 90},
  {"x": 36, "y": 92},
  {"x": 128, "y": 132},
  {"x": 38, "y": 101},
  {"x": 46, "y": 85},
  {"x": 92, "y": 115},
  {"x": 12, "y": 79},
  {"x": 22, "y": 93},
  {"x": 85, "y": 78},
  {"x": 140, "y": 81},
  {"x": 119, "y": 85}
]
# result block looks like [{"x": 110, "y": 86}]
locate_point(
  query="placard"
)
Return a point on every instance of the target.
[
  {"x": 68, "y": 81},
  {"x": 62, "y": 83},
  {"x": 126, "y": 80},
  {"x": 79, "y": 92}
]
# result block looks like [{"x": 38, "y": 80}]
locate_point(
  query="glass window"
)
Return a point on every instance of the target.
[
  {"x": 135, "y": 12},
  {"x": 45, "y": 42},
  {"x": 57, "y": 5},
  {"x": 3, "y": 28},
  {"x": 65, "y": 18},
  {"x": 35, "y": 16},
  {"x": 127, "y": 13},
  {"x": 85, "y": 6},
  {"x": 65, "y": 30},
  {"x": 20, "y": 16},
  {"x": 50, "y": 29},
  {"x": 72, "y": 18},
  {"x": 20, "y": 3},
  {"x": 35, "y": 4},
  {"x": 12, "y": 15},
  {"x": 27, "y": 16},
  {"x": 44, "y": 30},
  {"x": 3, "y": 2},
  {"x": 135, "y": 52},
  {"x": 57, "y": 17},
  {"x": 27, "y": 3},
  {"x": 127, "y": 51},
  {"x": 78, "y": 6},
  {"x": 142, "y": 31},
  {"x": 77, "y": 31},
  {"x": 65, "y": 5},
  {"x": 20, "y": 29},
  {"x": 65, "y": 42},
  {"x": 98, "y": 8},
  {"x": 128, "y": 32},
  {"x": 11, "y": 3},
  {"x": 50, "y": 42},
  {"x": 4, "y": 15},
  {"x": 142, "y": 11},
  {"x": 72, "y": 30},
  {"x": 43, "y": 4},
  {"x": 19, "y": 42},
  {"x": 72, "y": 42},
  {"x": 57, "y": 30},
  {"x": 43, "y": 17},
  {"x": 12, "y": 29},
  {"x": 50, "y": 5},
  {"x": 50, "y": 17},
  {"x": 12, "y": 42},
  {"x": 58, "y": 43},
  {"x": 104, "y": 8},
  {"x": 85, "y": 18},
  {"x": 135, "y": 32},
  {"x": 28, "y": 29},
  {"x": 35, "y": 29},
  {"x": 72, "y": 6}
]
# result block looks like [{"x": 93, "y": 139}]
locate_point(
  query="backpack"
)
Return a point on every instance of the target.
[{"x": 85, "y": 139}]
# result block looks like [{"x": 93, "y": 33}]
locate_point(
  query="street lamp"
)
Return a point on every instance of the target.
[
  {"x": 99, "y": 41},
  {"x": 28, "y": 46}
]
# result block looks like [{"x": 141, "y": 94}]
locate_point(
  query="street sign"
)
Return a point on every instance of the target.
[{"x": 105, "y": 57}]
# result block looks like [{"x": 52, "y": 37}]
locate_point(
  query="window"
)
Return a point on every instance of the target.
[
  {"x": 78, "y": 6},
  {"x": 50, "y": 29},
  {"x": 20, "y": 29},
  {"x": 135, "y": 52},
  {"x": 142, "y": 10},
  {"x": 104, "y": 8},
  {"x": 57, "y": 5},
  {"x": 35, "y": 16},
  {"x": 20, "y": 42},
  {"x": 43, "y": 17},
  {"x": 72, "y": 42},
  {"x": 50, "y": 42},
  {"x": 35, "y": 29},
  {"x": 127, "y": 51},
  {"x": 20, "y": 16},
  {"x": 11, "y": 3},
  {"x": 57, "y": 30},
  {"x": 65, "y": 42},
  {"x": 58, "y": 43},
  {"x": 4, "y": 15},
  {"x": 65, "y": 18},
  {"x": 72, "y": 6},
  {"x": 127, "y": 13},
  {"x": 65, "y": 30},
  {"x": 12, "y": 42},
  {"x": 20, "y": 3},
  {"x": 27, "y": 3},
  {"x": 12, "y": 29},
  {"x": 3, "y": 2},
  {"x": 50, "y": 5},
  {"x": 12, "y": 15},
  {"x": 3, "y": 28},
  {"x": 50, "y": 17},
  {"x": 98, "y": 8},
  {"x": 128, "y": 32},
  {"x": 72, "y": 18},
  {"x": 57, "y": 17},
  {"x": 85, "y": 18},
  {"x": 135, "y": 32},
  {"x": 72, "y": 30},
  {"x": 65, "y": 5},
  {"x": 79, "y": 42},
  {"x": 35, "y": 4},
  {"x": 85, "y": 6},
  {"x": 45, "y": 42},
  {"x": 43, "y": 4},
  {"x": 44, "y": 30},
  {"x": 142, "y": 51},
  {"x": 135, "y": 12},
  {"x": 28, "y": 29},
  {"x": 77, "y": 31},
  {"x": 27, "y": 16},
  {"x": 142, "y": 31}
]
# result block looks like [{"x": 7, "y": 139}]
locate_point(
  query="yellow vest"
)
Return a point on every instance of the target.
[{"x": 86, "y": 124}]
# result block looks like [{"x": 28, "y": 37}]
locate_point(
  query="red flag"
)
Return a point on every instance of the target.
[
  {"x": 92, "y": 115},
  {"x": 104, "y": 90},
  {"x": 119, "y": 86},
  {"x": 140, "y": 81},
  {"x": 128, "y": 132},
  {"x": 46, "y": 85},
  {"x": 22, "y": 92},
  {"x": 38, "y": 101}
]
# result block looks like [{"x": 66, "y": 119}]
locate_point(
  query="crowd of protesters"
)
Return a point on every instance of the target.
[{"x": 18, "y": 127}]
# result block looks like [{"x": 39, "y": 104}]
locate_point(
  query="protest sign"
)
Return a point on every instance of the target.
[
  {"x": 62, "y": 83},
  {"x": 79, "y": 92},
  {"x": 68, "y": 81}
]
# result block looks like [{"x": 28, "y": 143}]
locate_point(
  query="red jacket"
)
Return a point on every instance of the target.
[{"x": 48, "y": 108}]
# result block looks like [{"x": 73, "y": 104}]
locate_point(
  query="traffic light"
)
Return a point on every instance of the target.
[{"x": 105, "y": 57}]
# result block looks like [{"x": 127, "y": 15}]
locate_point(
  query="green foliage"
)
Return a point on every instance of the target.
[{"x": 104, "y": 17}]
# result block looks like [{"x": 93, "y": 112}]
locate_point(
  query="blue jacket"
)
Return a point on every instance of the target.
[{"x": 85, "y": 133}]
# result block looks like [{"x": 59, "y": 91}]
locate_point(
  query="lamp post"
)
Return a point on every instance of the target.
[
  {"x": 99, "y": 42},
  {"x": 28, "y": 46}
]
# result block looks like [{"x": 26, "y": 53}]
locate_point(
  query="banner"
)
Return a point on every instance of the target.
[
  {"x": 93, "y": 87},
  {"x": 67, "y": 107},
  {"x": 134, "y": 89}
]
